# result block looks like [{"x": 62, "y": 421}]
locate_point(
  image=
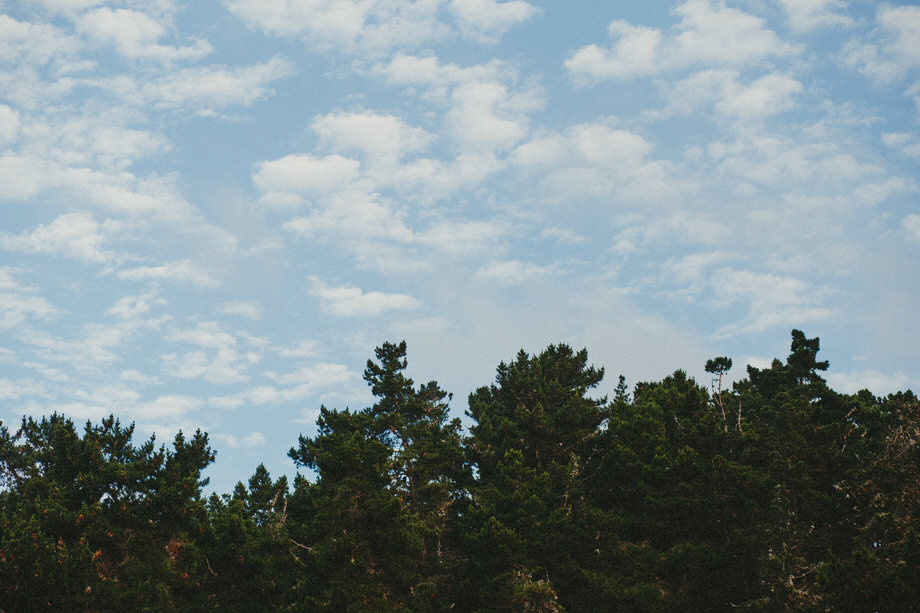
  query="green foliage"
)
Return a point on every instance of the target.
[
  {"x": 389, "y": 478},
  {"x": 776, "y": 494},
  {"x": 94, "y": 522}
]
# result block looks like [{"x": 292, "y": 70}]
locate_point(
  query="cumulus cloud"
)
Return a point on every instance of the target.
[
  {"x": 97, "y": 344},
  {"x": 370, "y": 133},
  {"x": 487, "y": 20},
  {"x": 768, "y": 95},
  {"x": 22, "y": 42},
  {"x": 75, "y": 235},
  {"x": 9, "y": 124},
  {"x": 19, "y": 302},
  {"x": 302, "y": 349},
  {"x": 770, "y": 301},
  {"x": 489, "y": 108},
  {"x": 765, "y": 96},
  {"x": 206, "y": 88},
  {"x": 305, "y": 174},
  {"x": 600, "y": 160},
  {"x": 875, "y": 381},
  {"x": 806, "y": 15},
  {"x": 365, "y": 27},
  {"x": 133, "y": 307},
  {"x": 708, "y": 35},
  {"x": 306, "y": 381},
  {"x": 354, "y": 215},
  {"x": 117, "y": 192},
  {"x": 254, "y": 439},
  {"x": 217, "y": 360},
  {"x": 252, "y": 310},
  {"x": 15, "y": 309},
  {"x": 514, "y": 271},
  {"x": 180, "y": 271},
  {"x": 911, "y": 223},
  {"x": 350, "y": 301},
  {"x": 896, "y": 49},
  {"x": 135, "y": 35},
  {"x": 68, "y": 6}
]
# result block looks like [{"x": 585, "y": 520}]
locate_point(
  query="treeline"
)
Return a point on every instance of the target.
[{"x": 776, "y": 494}]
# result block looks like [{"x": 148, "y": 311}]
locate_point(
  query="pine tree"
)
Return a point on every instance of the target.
[
  {"x": 532, "y": 445},
  {"x": 388, "y": 479}
]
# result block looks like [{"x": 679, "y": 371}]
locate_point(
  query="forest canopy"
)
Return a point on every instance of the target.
[{"x": 774, "y": 493}]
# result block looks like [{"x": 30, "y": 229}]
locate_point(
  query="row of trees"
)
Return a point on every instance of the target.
[{"x": 778, "y": 494}]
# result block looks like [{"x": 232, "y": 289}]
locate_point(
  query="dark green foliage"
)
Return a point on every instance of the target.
[
  {"x": 378, "y": 517},
  {"x": 94, "y": 522},
  {"x": 774, "y": 494},
  {"x": 533, "y": 444}
]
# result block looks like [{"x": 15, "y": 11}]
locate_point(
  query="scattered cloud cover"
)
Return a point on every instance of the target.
[{"x": 214, "y": 212}]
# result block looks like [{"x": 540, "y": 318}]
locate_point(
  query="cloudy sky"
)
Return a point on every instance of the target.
[{"x": 212, "y": 212}]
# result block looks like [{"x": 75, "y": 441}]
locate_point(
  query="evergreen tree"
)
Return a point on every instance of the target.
[
  {"x": 532, "y": 445},
  {"x": 94, "y": 522},
  {"x": 388, "y": 479}
]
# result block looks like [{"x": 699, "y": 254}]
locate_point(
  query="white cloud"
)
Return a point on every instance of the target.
[
  {"x": 770, "y": 301},
  {"x": 303, "y": 349},
  {"x": 18, "y": 303},
  {"x": 464, "y": 238},
  {"x": 487, "y": 20},
  {"x": 304, "y": 174},
  {"x": 9, "y": 124},
  {"x": 897, "y": 50},
  {"x": 489, "y": 106},
  {"x": 133, "y": 307},
  {"x": 254, "y": 439},
  {"x": 137, "y": 378},
  {"x": 252, "y": 310},
  {"x": 170, "y": 406},
  {"x": 679, "y": 227},
  {"x": 302, "y": 383},
  {"x": 911, "y": 223},
  {"x": 95, "y": 347},
  {"x": 181, "y": 271},
  {"x": 207, "y": 88},
  {"x": 707, "y": 35},
  {"x": 73, "y": 235},
  {"x": 405, "y": 69},
  {"x": 11, "y": 389},
  {"x": 806, "y": 15},
  {"x": 906, "y": 142},
  {"x": 27, "y": 43},
  {"x": 95, "y": 141},
  {"x": 514, "y": 271},
  {"x": 564, "y": 236},
  {"x": 217, "y": 360},
  {"x": 119, "y": 192},
  {"x": 17, "y": 308},
  {"x": 223, "y": 366},
  {"x": 369, "y": 133},
  {"x": 783, "y": 163},
  {"x": 68, "y": 6},
  {"x": 349, "y": 301},
  {"x": 594, "y": 162},
  {"x": 486, "y": 115},
  {"x": 768, "y": 95},
  {"x": 360, "y": 27},
  {"x": 875, "y": 381},
  {"x": 208, "y": 334},
  {"x": 354, "y": 216},
  {"x": 134, "y": 35}
]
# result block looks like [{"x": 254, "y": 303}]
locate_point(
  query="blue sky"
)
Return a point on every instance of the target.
[{"x": 214, "y": 211}]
